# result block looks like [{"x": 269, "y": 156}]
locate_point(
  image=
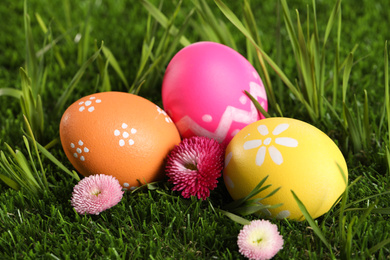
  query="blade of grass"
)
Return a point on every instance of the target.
[
  {"x": 347, "y": 243},
  {"x": 234, "y": 217},
  {"x": 163, "y": 20},
  {"x": 67, "y": 92},
  {"x": 363, "y": 217},
  {"x": 31, "y": 59},
  {"x": 43, "y": 172},
  {"x": 25, "y": 167},
  {"x": 47, "y": 154},
  {"x": 347, "y": 72},
  {"x": 250, "y": 23},
  {"x": 256, "y": 190},
  {"x": 254, "y": 208},
  {"x": 336, "y": 66},
  {"x": 378, "y": 246},
  {"x": 212, "y": 25},
  {"x": 16, "y": 93},
  {"x": 384, "y": 211},
  {"x": 331, "y": 20},
  {"x": 290, "y": 28},
  {"x": 11, "y": 183},
  {"x": 387, "y": 98},
  {"x": 52, "y": 42},
  {"x": 145, "y": 56},
  {"x": 114, "y": 63},
  {"x": 236, "y": 22},
  {"x": 83, "y": 44},
  {"x": 352, "y": 129},
  {"x": 341, "y": 215},
  {"x": 39, "y": 116},
  {"x": 308, "y": 86},
  {"x": 161, "y": 53},
  {"x": 360, "y": 200},
  {"x": 334, "y": 113},
  {"x": 67, "y": 12},
  {"x": 366, "y": 122},
  {"x": 26, "y": 144},
  {"x": 257, "y": 105},
  {"x": 311, "y": 221},
  {"x": 388, "y": 161}
]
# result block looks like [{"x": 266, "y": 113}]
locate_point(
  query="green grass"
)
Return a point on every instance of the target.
[{"x": 125, "y": 49}]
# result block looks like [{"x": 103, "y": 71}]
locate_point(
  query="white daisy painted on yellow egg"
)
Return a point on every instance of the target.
[{"x": 270, "y": 141}]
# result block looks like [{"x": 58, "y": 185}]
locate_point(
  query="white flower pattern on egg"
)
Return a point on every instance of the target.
[
  {"x": 79, "y": 151},
  {"x": 267, "y": 142},
  {"x": 89, "y": 104},
  {"x": 124, "y": 135},
  {"x": 167, "y": 118}
]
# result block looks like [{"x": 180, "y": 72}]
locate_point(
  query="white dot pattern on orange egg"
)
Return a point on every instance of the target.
[
  {"x": 80, "y": 150},
  {"x": 275, "y": 154},
  {"x": 167, "y": 118},
  {"x": 125, "y": 135},
  {"x": 87, "y": 104}
]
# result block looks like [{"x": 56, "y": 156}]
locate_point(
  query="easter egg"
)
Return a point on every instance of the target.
[
  {"x": 118, "y": 134},
  {"x": 295, "y": 156},
  {"x": 203, "y": 91}
]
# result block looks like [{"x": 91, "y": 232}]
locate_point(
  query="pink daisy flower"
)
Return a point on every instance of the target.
[
  {"x": 195, "y": 165},
  {"x": 260, "y": 240},
  {"x": 96, "y": 193}
]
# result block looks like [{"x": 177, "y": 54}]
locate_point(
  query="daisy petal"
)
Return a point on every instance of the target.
[
  {"x": 280, "y": 128},
  {"x": 260, "y": 156},
  {"x": 286, "y": 141},
  {"x": 276, "y": 156}
]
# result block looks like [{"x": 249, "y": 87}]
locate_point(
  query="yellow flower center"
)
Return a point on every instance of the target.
[
  {"x": 191, "y": 166},
  {"x": 257, "y": 241},
  {"x": 96, "y": 192}
]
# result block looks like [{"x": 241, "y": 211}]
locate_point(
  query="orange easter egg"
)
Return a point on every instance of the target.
[{"x": 118, "y": 134}]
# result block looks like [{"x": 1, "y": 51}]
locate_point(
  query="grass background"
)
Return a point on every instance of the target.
[{"x": 158, "y": 224}]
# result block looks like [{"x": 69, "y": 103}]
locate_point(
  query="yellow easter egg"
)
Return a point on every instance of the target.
[{"x": 296, "y": 156}]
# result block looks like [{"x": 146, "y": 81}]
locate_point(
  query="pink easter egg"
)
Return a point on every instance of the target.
[{"x": 203, "y": 91}]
